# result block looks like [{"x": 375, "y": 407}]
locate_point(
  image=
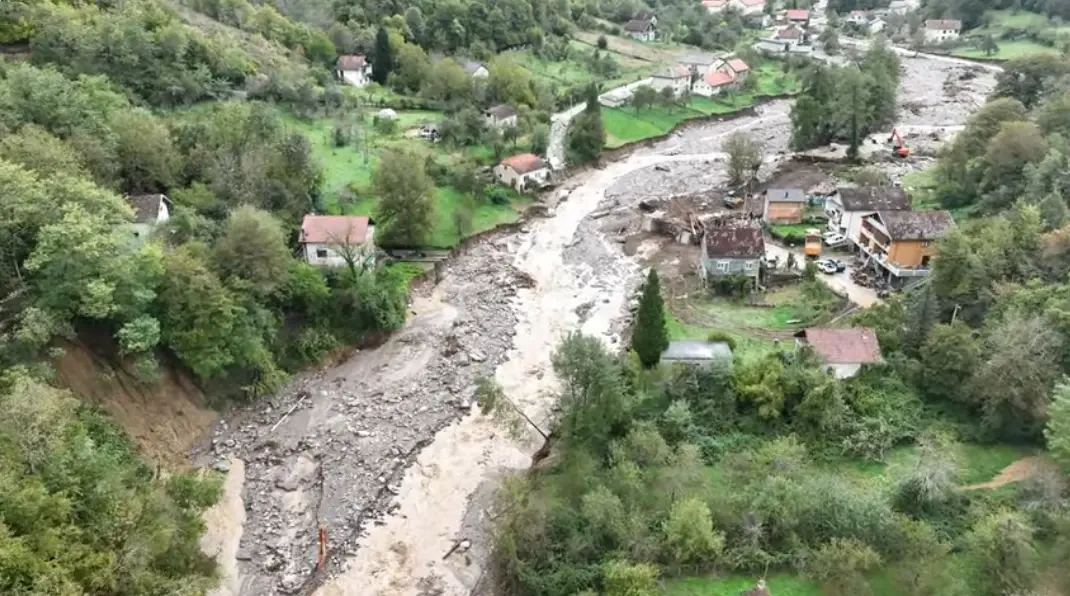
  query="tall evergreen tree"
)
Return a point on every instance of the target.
[
  {"x": 650, "y": 337},
  {"x": 383, "y": 57}
]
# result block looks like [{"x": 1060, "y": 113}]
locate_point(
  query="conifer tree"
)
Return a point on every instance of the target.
[
  {"x": 650, "y": 337},
  {"x": 383, "y": 58}
]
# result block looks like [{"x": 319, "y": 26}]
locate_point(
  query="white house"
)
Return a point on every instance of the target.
[
  {"x": 337, "y": 240},
  {"x": 792, "y": 34},
  {"x": 748, "y": 7},
  {"x": 876, "y": 26},
  {"x": 500, "y": 116},
  {"x": 476, "y": 70},
  {"x": 848, "y": 206},
  {"x": 149, "y": 212},
  {"x": 677, "y": 78},
  {"x": 354, "y": 69},
  {"x": 642, "y": 29},
  {"x": 844, "y": 351},
  {"x": 713, "y": 83},
  {"x": 941, "y": 30},
  {"x": 522, "y": 171}
]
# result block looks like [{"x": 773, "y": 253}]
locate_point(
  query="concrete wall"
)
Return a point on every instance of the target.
[
  {"x": 357, "y": 78},
  {"x": 844, "y": 371}
]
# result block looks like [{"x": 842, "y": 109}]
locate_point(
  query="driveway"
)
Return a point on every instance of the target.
[{"x": 841, "y": 283}]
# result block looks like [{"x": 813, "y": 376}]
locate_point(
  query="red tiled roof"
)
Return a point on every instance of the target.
[
  {"x": 857, "y": 345},
  {"x": 789, "y": 32},
  {"x": 738, "y": 65},
  {"x": 334, "y": 229},
  {"x": 351, "y": 62},
  {"x": 798, "y": 15},
  {"x": 752, "y": 2},
  {"x": 858, "y": 13},
  {"x": 524, "y": 163},
  {"x": 718, "y": 78},
  {"x": 714, "y": 3}
]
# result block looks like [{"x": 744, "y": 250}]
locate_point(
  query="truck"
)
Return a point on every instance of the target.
[{"x": 812, "y": 246}]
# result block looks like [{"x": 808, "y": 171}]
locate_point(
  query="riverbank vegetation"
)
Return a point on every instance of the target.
[{"x": 942, "y": 469}]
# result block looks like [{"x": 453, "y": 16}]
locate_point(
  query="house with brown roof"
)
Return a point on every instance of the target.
[
  {"x": 791, "y": 34},
  {"x": 783, "y": 205},
  {"x": 500, "y": 116},
  {"x": 729, "y": 251},
  {"x": 149, "y": 212},
  {"x": 642, "y": 27},
  {"x": 941, "y": 30},
  {"x": 737, "y": 67},
  {"x": 902, "y": 243},
  {"x": 714, "y": 83},
  {"x": 844, "y": 351},
  {"x": 354, "y": 69},
  {"x": 522, "y": 171},
  {"x": 848, "y": 206},
  {"x": 337, "y": 240}
]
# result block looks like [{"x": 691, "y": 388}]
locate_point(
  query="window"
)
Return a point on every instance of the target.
[
  {"x": 722, "y": 266},
  {"x": 321, "y": 253},
  {"x": 925, "y": 243},
  {"x": 749, "y": 265}
]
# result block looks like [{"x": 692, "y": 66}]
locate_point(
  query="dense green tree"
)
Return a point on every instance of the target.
[
  {"x": 1024, "y": 78},
  {"x": 405, "y": 210},
  {"x": 744, "y": 157},
  {"x": 382, "y": 57},
  {"x": 689, "y": 533},
  {"x": 147, "y": 160},
  {"x": 650, "y": 337},
  {"x": 252, "y": 251},
  {"x": 628, "y": 579},
  {"x": 1001, "y": 548},
  {"x": 1057, "y": 431},
  {"x": 586, "y": 134},
  {"x": 841, "y": 566},
  {"x": 948, "y": 358},
  {"x": 36, "y": 149}
]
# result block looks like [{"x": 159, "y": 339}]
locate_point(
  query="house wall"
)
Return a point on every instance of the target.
[
  {"x": 502, "y": 123},
  {"x": 520, "y": 182},
  {"x": 357, "y": 78},
  {"x": 141, "y": 230},
  {"x": 678, "y": 85},
  {"x": 643, "y": 35},
  {"x": 910, "y": 253},
  {"x": 939, "y": 35},
  {"x": 701, "y": 88},
  {"x": 844, "y": 371},
  {"x": 481, "y": 73},
  {"x": 713, "y": 267},
  {"x": 778, "y": 212},
  {"x": 850, "y": 222},
  {"x": 334, "y": 258}
]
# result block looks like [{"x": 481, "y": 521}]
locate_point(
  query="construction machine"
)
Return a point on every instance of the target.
[
  {"x": 812, "y": 245},
  {"x": 898, "y": 145}
]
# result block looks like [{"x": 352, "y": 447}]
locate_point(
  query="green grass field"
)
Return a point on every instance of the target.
[
  {"x": 352, "y": 166},
  {"x": 1008, "y": 50},
  {"x": 626, "y": 125},
  {"x": 1013, "y": 24}
]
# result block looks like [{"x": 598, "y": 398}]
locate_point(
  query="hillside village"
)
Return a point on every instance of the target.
[{"x": 710, "y": 297}]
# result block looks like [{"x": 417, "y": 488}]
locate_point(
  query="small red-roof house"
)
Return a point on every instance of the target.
[
  {"x": 738, "y": 66},
  {"x": 843, "y": 350},
  {"x": 523, "y": 171},
  {"x": 337, "y": 240},
  {"x": 858, "y": 17},
  {"x": 714, "y": 83},
  {"x": 798, "y": 16},
  {"x": 791, "y": 33},
  {"x": 354, "y": 69}
]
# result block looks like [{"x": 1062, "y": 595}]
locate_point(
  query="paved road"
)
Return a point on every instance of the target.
[{"x": 841, "y": 283}]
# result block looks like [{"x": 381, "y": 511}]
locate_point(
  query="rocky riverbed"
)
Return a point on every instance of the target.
[{"x": 386, "y": 452}]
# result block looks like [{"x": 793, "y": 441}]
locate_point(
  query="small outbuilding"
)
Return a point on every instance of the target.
[
  {"x": 783, "y": 205},
  {"x": 698, "y": 353}
]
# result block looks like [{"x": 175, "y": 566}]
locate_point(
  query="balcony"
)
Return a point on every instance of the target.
[{"x": 881, "y": 258}]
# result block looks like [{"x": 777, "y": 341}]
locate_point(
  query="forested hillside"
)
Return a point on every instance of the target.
[{"x": 99, "y": 100}]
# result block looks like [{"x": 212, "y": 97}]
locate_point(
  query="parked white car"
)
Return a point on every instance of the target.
[{"x": 834, "y": 239}]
